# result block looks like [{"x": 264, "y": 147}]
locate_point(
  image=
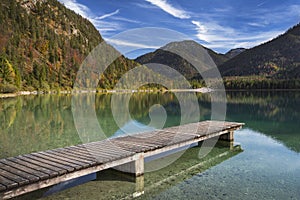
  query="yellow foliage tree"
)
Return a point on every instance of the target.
[{"x": 7, "y": 72}]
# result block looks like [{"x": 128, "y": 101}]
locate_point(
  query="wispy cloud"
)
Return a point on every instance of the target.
[
  {"x": 295, "y": 9},
  {"x": 216, "y": 36},
  {"x": 145, "y": 5},
  {"x": 125, "y": 43},
  {"x": 108, "y": 15},
  {"x": 102, "y": 23},
  {"x": 265, "y": 16},
  {"x": 169, "y": 8},
  {"x": 212, "y": 31},
  {"x": 257, "y": 24},
  {"x": 223, "y": 9},
  {"x": 125, "y": 19},
  {"x": 262, "y": 3},
  {"x": 77, "y": 7}
]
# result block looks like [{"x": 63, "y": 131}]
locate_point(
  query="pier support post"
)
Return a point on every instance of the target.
[
  {"x": 139, "y": 186},
  {"x": 227, "y": 137},
  {"x": 135, "y": 167}
]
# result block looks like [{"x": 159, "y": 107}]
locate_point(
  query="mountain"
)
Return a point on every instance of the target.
[
  {"x": 274, "y": 64},
  {"x": 234, "y": 52},
  {"x": 42, "y": 44},
  {"x": 278, "y": 58},
  {"x": 176, "y": 62}
]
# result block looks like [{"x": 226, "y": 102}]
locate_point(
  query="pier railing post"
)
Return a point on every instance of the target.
[{"x": 135, "y": 167}]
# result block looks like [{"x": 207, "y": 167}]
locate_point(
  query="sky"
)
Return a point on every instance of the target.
[{"x": 217, "y": 24}]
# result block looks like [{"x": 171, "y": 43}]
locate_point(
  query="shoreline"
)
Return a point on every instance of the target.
[
  {"x": 125, "y": 91},
  {"x": 27, "y": 93},
  {"x": 203, "y": 90}
]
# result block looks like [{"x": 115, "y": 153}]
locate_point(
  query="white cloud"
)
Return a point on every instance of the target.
[
  {"x": 255, "y": 24},
  {"x": 77, "y": 7},
  {"x": 212, "y": 31},
  {"x": 125, "y": 19},
  {"x": 108, "y": 15},
  {"x": 117, "y": 42},
  {"x": 168, "y": 8},
  {"x": 145, "y": 5},
  {"x": 99, "y": 22},
  {"x": 217, "y": 36}
]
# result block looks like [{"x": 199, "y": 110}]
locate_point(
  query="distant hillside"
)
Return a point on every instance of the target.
[
  {"x": 278, "y": 58},
  {"x": 177, "y": 62},
  {"x": 234, "y": 52},
  {"x": 42, "y": 44}
]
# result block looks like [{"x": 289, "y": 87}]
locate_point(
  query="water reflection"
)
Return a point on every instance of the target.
[
  {"x": 265, "y": 170},
  {"x": 275, "y": 114},
  {"x": 35, "y": 123},
  {"x": 268, "y": 167}
]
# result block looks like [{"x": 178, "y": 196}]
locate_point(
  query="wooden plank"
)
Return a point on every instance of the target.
[
  {"x": 36, "y": 173},
  {"x": 101, "y": 159},
  {"x": 182, "y": 144},
  {"x": 164, "y": 136},
  {"x": 109, "y": 150},
  {"x": 109, "y": 147},
  {"x": 39, "y": 162},
  {"x": 50, "y": 162},
  {"x": 140, "y": 144},
  {"x": 84, "y": 152},
  {"x": 81, "y": 150},
  {"x": 77, "y": 154},
  {"x": 50, "y": 173},
  {"x": 148, "y": 141},
  {"x": 58, "y": 159},
  {"x": 2, "y": 187},
  {"x": 18, "y": 172},
  {"x": 132, "y": 147},
  {"x": 137, "y": 142},
  {"x": 145, "y": 135},
  {"x": 18, "y": 179},
  {"x": 7, "y": 182},
  {"x": 69, "y": 176},
  {"x": 101, "y": 153},
  {"x": 167, "y": 138},
  {"x": 158, "y": 140},
  {"x": 78, "y": 158}
]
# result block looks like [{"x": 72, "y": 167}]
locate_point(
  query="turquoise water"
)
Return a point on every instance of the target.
[
  {"x": 266, "y": 165},
  {"x": 265, "y": 170}
]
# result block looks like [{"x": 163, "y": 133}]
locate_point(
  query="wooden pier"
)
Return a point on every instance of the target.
[{"x": 26, "y": 173}]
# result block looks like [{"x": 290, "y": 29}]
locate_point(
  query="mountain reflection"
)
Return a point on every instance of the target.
[{"x": 35, "y": 123}]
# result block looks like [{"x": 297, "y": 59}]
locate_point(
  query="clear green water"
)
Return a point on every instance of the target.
[{"x": 266, "y": 166}]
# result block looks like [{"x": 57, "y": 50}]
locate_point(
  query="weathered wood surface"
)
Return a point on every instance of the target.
[{"x": 42, "y": 169}]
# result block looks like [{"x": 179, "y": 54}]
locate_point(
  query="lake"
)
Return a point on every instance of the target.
[{"x": 264, "y": 162}]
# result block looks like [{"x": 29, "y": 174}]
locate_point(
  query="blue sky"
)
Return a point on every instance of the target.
[{"x": 217, "y": 24}]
